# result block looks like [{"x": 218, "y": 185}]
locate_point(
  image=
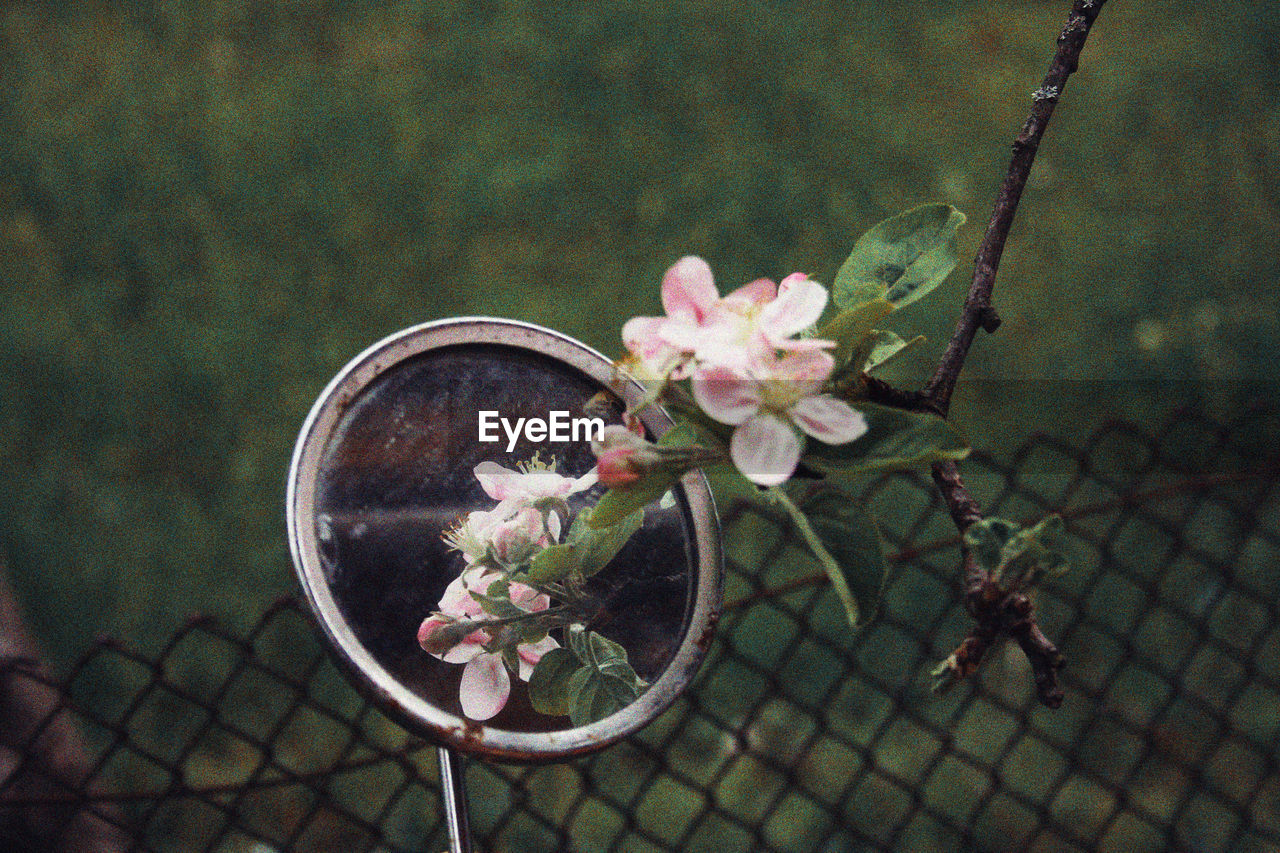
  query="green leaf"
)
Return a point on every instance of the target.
[
  {"x": 503, "y": 608},
  {"x": 594, "y": 696},
  {"x": 987, "y": 538},
  {"x": 901, "y": 259},
  {"x": 617, "y": 504},
  {"x": 549, "y": 565},
  {"x": 599, "y": 653},
  {"x": 591, "y": 648},
  {"x": 549, "y": 682},
  {"x": 533, "y": 631},
  {"x": 501, "y": 588},
  {"x": 1017, "y": 556},
  {"x": 856, "y": 566},
  {"x": 895, "y": 439},
  {"x": 598, "y": 547},
  {"x": 886, "y": 346},
  {"x": 586, "y": 550},
  {"x": 852, "y": 326},
  {"x": 619, "y": 668},
  {"x": 603, "y": 651}
]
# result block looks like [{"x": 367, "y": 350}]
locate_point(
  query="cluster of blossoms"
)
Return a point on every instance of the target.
[
  {"x": 760, "y": 384},
  {"x": 747, "y": 367},
  {"x": 529, "y": 516}
]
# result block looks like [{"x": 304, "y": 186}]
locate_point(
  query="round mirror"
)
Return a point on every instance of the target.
[{"x": 442, "y": 483}]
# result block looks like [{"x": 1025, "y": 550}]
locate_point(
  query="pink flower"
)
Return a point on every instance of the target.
[
  {"x": 515, "y": 529},
  {"x": 743, "y": 330},
  {"x": 485, "y": 686},
  {"x": 523, "y": 488},
  {"x": 519, "y": 538},
  {"x": 767, "y": 402},
  {"x": 702, "y": 329}
]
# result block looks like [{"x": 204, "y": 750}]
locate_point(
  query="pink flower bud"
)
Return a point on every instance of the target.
[
  {"x": 438, "y": 635},
  {"x": 616, "y": 468}
]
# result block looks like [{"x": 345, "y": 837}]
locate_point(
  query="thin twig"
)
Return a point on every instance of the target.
[
  {"x": 978, "y": 311},
  {"x": 998, "y": 611}
]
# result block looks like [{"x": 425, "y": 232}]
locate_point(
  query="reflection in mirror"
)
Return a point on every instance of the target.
[{"x": 468, "y": 568}]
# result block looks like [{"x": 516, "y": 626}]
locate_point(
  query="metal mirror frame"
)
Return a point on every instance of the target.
[{"x": 385, "y": 690}]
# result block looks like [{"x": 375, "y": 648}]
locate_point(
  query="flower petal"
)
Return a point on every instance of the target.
[
  {"x": 758, "y": 292},
  {"x": 688, "y": 289},
  {"x": 799, "y": 304},
  {"x": 809, "y": 366},
  {"x": 642, "y": 336},
  {"x": 485, "y": 687},
  {"x": 828, "y": 419},
  {"x": 765, "y": 449},
  {"x": 797, "y": 344},
  {"x": 498, "y": 483},
  {"x": 531, "y": 653},
  {"x": 583, "y": 483},
  {"x": 726, "y": 396},
  {"x": 457, "y": 600},
  {"x": 527, "y": 598},
  {"x": 682, "y": 335},
  {"x": 471, "y": 647}
]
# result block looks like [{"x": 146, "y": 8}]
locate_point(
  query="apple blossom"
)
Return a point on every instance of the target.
[
  {"x": 702, "y": 329},
  {"x": 768, "y": 402},
  {"x": 515, "y": 529},
  {"x": 485, "y": 684},
  {"x": 746, "y": 327},
  {"x": 535, "y": 481}
]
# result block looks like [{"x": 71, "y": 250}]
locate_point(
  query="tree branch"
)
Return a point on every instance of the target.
[
  {"x": 996, "y": 611},
  {"x": 977, "y": 311}
]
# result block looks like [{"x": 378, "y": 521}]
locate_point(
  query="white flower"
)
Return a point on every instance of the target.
[
  {"x": 702, "y": 330},
  {"x": 515, "y": 529},
  {"x": 485, "y": 685},
  {"x": 473, "y": 535},
  {"x": 767, "y": 401},
  {"x": 522, "y": 488}
]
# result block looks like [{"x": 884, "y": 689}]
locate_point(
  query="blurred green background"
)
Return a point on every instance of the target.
[{"x": 207, "y": 208}]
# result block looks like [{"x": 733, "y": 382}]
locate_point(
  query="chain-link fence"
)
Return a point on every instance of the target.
[{"x": 797, "y": 736}]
